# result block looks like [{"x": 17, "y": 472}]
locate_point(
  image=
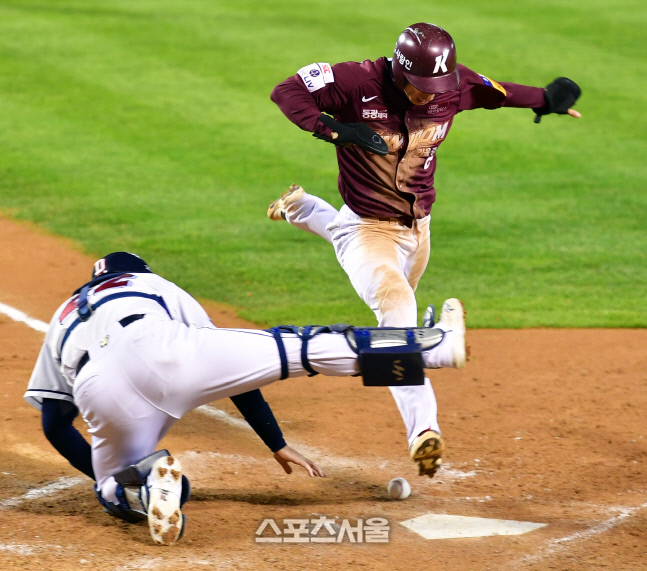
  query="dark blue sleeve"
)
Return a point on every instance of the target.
[
  {"x": 57, "y": 417},
  {"x": 259, "y": 416}
]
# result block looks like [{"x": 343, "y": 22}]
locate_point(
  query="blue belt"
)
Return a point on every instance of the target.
[{"x": 159, "y": 299}]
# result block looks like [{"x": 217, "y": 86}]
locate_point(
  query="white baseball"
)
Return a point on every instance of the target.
[{"x": 399, "y": 489}]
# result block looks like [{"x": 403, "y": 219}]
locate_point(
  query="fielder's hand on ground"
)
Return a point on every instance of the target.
[
  {"x": 560, "y": 95},
  {"x": 345, "y": 134},
  {"x": 288, "y": 455}
]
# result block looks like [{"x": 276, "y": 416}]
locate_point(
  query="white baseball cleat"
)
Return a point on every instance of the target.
[
  {"x": 276, "y": 210},
  {"x": 452, "y": 318},
  {"x": 165, "y": 520},
  {"x": 427, "y": 451}
]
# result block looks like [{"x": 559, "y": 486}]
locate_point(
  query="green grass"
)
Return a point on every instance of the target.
[{"x": 146, "y": 125}]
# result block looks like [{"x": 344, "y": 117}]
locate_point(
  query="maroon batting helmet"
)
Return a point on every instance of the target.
[{"x": 425, "y": 56}]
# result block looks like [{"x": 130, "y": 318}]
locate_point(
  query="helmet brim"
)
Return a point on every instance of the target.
[{"x": 440, "y": 84}]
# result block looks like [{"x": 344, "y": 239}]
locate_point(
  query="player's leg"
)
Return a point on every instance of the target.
[
  {"x": 178, "y": 368},
  {"x": 419, "y": 410},
  {"x": 126, "y": 430},
  {"x": 125, "y": 426},
  {"x": 305, "y": 211},
  {"x": 384, "y": 262},
  {"x": 416, "y": 250},
  {"x": 372, "y": 255}
]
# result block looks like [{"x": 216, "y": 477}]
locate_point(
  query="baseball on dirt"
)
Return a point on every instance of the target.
[{"x": 399, "y": 489}]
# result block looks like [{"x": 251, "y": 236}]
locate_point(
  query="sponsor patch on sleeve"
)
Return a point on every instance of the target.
[
  {"x": 316, "y": 75},
  {"x": 491, "y": 83}
]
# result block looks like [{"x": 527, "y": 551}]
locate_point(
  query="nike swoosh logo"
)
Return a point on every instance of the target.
[{"x": 367, "y": 99}]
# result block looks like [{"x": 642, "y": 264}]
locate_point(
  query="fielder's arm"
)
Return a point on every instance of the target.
[
  {"x": 57, "y": 417},
  {"x": 259, "y": 416}
]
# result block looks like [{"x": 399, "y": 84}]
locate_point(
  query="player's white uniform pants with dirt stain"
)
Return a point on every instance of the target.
[
  {"x": 384, "y": 260},
  {"x": 142, "y": 378}
]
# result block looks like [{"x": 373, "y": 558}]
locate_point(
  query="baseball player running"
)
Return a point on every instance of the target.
[
  {"x": 387, "y": 118},
  {"x": 135, "y": 353}
]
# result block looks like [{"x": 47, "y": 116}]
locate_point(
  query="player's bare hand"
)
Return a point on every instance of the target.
[
  {"x": 288, "y": 455},
  {"x": 574, "y": 113}
]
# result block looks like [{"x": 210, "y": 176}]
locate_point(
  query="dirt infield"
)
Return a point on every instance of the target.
[{"x": 544, "y": 426}]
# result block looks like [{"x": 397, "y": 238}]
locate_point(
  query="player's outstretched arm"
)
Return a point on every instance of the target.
[{"x": 288, "y": 455}]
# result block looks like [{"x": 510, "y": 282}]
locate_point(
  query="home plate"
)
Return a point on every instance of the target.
[{"x": 439, "y": 526}]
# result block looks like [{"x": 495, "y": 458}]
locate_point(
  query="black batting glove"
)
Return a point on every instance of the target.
[
  {"x": 560, "y": 96},
  {"x": 353, "y": 134}
]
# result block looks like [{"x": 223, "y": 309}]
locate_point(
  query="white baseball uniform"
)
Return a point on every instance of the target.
[{"x": 143, "y": 376}]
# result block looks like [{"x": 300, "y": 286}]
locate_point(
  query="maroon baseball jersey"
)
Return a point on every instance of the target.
[{"x": 400, "y": 184}]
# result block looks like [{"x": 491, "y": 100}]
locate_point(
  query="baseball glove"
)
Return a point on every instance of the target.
[
  {"x": 560, "y": 96},
  {"x": 353, "y": 134}
]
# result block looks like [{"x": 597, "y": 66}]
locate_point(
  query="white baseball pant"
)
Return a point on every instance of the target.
[{"x": 384, "y": 260}]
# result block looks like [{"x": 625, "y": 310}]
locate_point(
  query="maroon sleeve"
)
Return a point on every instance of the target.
[
  {"x": 302, "y": 106},
  {"x": 296, "y": 103},
  {"x": 479, "y": 91},
  {"x": 523, "y": 96}
]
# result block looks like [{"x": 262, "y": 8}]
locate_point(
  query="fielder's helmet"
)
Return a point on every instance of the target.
[
  {"x": 120, "y": 262},
  {"x": 425, "y": 56}
]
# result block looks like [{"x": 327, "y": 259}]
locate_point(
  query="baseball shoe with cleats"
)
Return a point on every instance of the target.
[
  {"x": 426, "y": 451},
  {"x": 452, "y": 318},
  {"x": 165, "y": 520},
  {"x": 276, "y": 209}
]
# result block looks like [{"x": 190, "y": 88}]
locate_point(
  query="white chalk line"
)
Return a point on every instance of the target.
[
  {"x": 61, "y": 484},
  {"x": 561, "y": 543},
  {"x": 18, "y": 549},
  {"x": 167, "y": 561},
  {"x": 18, "y": 315}
]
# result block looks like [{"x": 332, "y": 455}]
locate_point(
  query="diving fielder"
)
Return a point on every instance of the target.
[
  {"x": 387, "y": 118},
  {"x": 135, "y": 353}
]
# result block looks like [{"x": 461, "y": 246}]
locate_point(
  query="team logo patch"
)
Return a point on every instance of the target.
[
  {"x": 491, "y": 83},
  {"x": 436, "y": 108},
  {"x": 374, "y": 114},
  {"x": 316, "y": 75}
]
